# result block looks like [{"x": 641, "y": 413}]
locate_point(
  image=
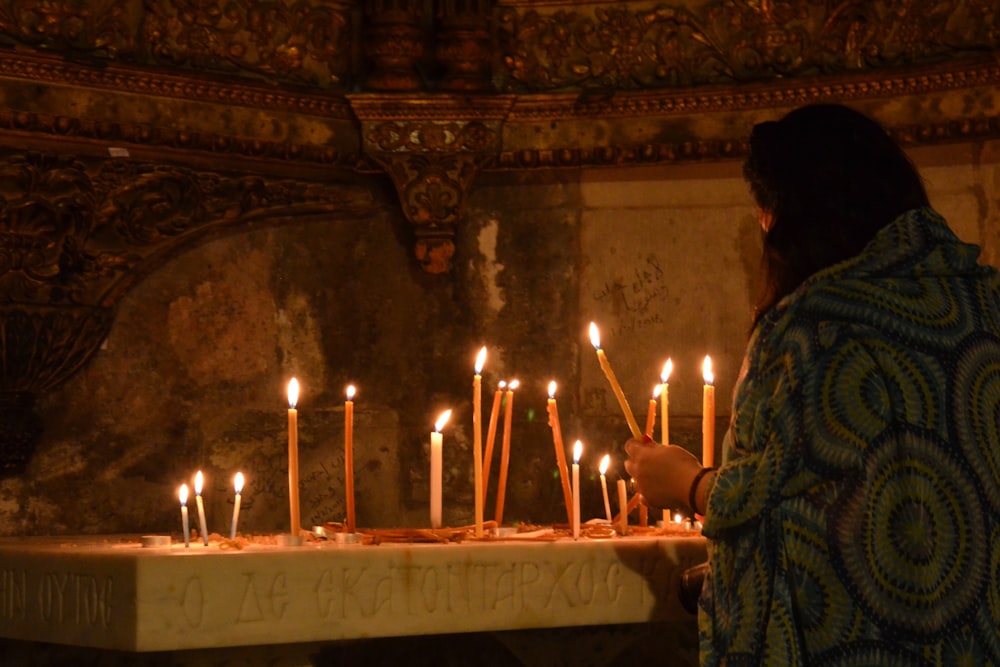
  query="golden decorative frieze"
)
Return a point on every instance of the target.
[
  {"x": 104, "y": 29},
  {"x": 549, "y": 46}
]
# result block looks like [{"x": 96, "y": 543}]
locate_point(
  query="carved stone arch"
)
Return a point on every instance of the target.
[{"x": 78, "y": 232}]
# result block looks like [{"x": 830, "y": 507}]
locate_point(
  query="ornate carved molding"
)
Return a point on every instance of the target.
[
  {"x": 432, "y": 148},
  {"x": 545, "y": 46}
]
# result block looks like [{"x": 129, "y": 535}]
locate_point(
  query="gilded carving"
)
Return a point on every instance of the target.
[
  {"x": 99, "y": 28},
  {"x": 621, "y": 46},
  {"x": 299, "y": 41}
]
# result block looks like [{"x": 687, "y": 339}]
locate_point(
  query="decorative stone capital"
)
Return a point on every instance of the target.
[{"x": 432, "y": 147}]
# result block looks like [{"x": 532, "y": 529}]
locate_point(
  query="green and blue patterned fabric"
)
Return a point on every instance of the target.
[{"x": 856, "y": 518}]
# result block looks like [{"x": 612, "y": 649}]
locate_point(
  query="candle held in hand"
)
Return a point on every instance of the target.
[
  {"x": 605, "y": 462},
  {"x": 708, "y": 416},
  {"x": 651, "y": 412},
  {"x": 349, "y": 456},
  {"x": 477, "y": 439},
  {"x": 577, "y": 452},
  {"x": 199, "y": 481},
  {"x": 293, "y": 457},
  {"x": 238, "y": 487},
  {"x": 436, "y": 456},
  {"x": 609, "y": 373},
  {"x": 185, "y": 522},
  {"x": 668, "y": 367},
  {"x": 557, "y": 441}
]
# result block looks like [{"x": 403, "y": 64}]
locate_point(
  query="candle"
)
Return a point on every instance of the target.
[
  {"x": 238, "y": 486},
  {"x": 651, "y": 413},
  {"x": 199, "y": 481},
  {"x": 185, "y": 524},
  {"x": 560, "y": 450},
  {"x": 577, "y": 451},
  {"x": 708, "y": 416},
  {"x": 293, "y": 457},
  {"x": 622, "y": 507},
  {"x": 477, "y": 438},
  {"x": 605, "y": 462},
  {"x": 664, "y": 414},
  {"x": 609, "y": 373},
  {"x": 436, "y": 469},
  {"x": 505, "y": 452},
  {"x": 491, "y": 432},
  {"x": 349, "y": 456}
]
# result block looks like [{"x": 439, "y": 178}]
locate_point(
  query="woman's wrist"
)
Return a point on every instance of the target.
[{"x": 693, "y": 493}]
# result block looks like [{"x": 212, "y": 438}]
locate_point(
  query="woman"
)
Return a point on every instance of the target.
[{"x": 856, "y": 519}]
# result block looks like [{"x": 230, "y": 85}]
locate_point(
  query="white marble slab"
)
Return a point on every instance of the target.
[{"x": 112, "y": 593}]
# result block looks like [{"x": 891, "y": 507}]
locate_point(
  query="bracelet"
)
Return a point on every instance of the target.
[{"x": 694, "y": 488}]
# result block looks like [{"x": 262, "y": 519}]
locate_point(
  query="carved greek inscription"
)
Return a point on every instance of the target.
[
  {"x": 464, "y": 588},
  {"x": 13, "y": 594},
  {"x": 193, "y": 602},
  {"x": 82, "y": 599},
  {"x": 266, "y": 601}
]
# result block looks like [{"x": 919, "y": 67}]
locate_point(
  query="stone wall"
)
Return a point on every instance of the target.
[{"x": 193, "y": 373}]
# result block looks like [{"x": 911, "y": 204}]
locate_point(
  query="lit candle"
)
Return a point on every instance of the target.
[
  {"x": 491, "y": 432},
  {"x": 577, "y": 451},
  {"x": 651, "y": 413},
  {"x": 557, "y": 440},
  {"x": 664, "y": 414},
  {"x": 238, "y": 486},
  {"x": 609, "y": 373},
  {"x": 185, "y": 524},
  {"x": 477, "y": 439},
  {"x": 505, "y": 452},
  {"x": 708, "y": 416},
  {"x": 199, "y": 481},
  {"x": 349, "y": 456},
  {"x": 605, "y": 462},
  {"x": 436, "y": 469},
  {"x": 293, "y": 457},
  {"x": 622, "y": 507}
]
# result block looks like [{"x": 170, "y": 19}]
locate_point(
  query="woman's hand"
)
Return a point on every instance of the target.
[{"x": 662, "y": 474}]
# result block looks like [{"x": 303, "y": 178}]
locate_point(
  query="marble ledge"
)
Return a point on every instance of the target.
[{"x": 111, "y": 593}]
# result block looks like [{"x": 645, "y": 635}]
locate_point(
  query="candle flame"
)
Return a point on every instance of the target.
[
  {"x": 480, "y": 360},
  {"x": 678, "y": 518},
  {"x": 657, "y": 390},
  {"x": 552, "y": 389},
  {"x": 199, "y": 481},
  {"x": 514, "y": 384},
  {"x": 238, "y": 483},
  {"x": 595, "y": 336},
  {"x": 442, "y": 420},
  {"x": 665, "y": 373},
  {"x": 350, "y": 392},
  {"x": 501, "y": 384},
  {"x": 183, "y": 494},
  {"x": 293, "y": 393},
  {"x": 577, "y": 451},
  {"x": 706, "y": 370},
  {"x": 605, "y": 463}
]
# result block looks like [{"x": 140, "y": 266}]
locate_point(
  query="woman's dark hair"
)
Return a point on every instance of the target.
[{"x": 829, "y": 178}]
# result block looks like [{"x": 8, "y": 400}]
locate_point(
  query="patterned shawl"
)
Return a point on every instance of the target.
[{"x": 857, "y": 517}]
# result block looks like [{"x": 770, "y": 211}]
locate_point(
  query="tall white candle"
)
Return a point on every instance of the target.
[
  {"x": 199, "y": 481},
  {"x": 605, "y": 462},
  {"x": 436, "y": 457},
  {"x": 238, "y": 487},
  {"x": 668, "y": 367},
  {"x": 477, "y": 439},
  {"x": 349, "y": 456},
  {"x": 293, "y": 457},
  {"x": 185, "y": 522},
  {"x": 577, "y": 451},
  {"x": 708, "y": 416}
]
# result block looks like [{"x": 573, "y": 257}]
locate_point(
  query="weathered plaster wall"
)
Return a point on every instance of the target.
[{"x": 193, "y": 374}]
